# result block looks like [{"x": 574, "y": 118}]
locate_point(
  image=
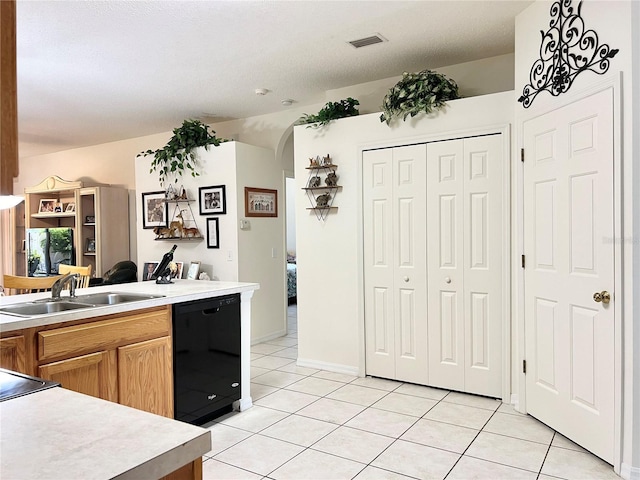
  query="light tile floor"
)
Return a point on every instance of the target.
[{"x": 314, "y": 424}]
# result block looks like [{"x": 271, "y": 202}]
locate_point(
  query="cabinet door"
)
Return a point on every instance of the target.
[
  {"x": 93, "y": 374},
  {"x": 12, "y": 353},
  {"x": 145, "y": 379}
]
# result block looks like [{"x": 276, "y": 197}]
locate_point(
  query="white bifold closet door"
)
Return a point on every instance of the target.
[
  {"x": 433, "y": 263},
  {"x": 394, "y": 263},
  {"x": 464, "y": 264}
]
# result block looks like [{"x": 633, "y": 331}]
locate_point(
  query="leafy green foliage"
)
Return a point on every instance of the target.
[
  {"x": 424, "y": 91},
  {"x": 178, "y": 155},
  {"x": 60, "y": 241},
  {"x": 331, "y": 111}
]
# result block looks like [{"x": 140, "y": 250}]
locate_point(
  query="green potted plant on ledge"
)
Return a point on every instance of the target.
[
  {"x": 331, "y": 111},
  {"x": 178, "y": 154},
  {"x": 424, "y": 91}
]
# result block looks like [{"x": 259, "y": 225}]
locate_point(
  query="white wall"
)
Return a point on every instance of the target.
[
  {"x": 290, "y": 188},
  {"x": 616, "y": 24},
  {"x": 330, "y": 316},
  {"x": 244, "y": 255}
]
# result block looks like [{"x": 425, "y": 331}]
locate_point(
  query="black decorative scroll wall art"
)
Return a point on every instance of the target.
[{"x": 567, "y": 49}]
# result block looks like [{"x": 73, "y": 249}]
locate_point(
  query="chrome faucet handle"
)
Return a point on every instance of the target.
[{"x": 59, "y": 284}]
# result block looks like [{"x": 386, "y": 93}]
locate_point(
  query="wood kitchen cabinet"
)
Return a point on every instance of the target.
[
  {"x": 12, "y": 353},
  {"x": 93, "y": 374},
  {"x": 145, "y": 373},
  {"x": 125, "y": 358}
]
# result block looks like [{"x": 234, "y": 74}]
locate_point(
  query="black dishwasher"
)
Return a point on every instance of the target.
[{"x": 206, "y": 358}]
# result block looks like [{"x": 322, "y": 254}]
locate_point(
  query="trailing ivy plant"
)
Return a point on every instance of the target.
[
  {"x": 178, "y": 154},
  {"x": 331, "y": 111},
  {"x": 424, "y": 91}
]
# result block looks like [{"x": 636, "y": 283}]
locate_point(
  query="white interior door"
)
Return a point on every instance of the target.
[
  {"x": 395, "y": 265},
  {"x": 464, "y": 256},
  {"x": 568, "y": 242}
]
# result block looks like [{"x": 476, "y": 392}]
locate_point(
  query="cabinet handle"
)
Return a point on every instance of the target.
[
  {"x": 406, "y": 279},
  {"x": 447, "y": 280}
]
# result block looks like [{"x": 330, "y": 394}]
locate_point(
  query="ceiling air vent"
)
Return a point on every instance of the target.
[{"x": 364, "y": 42}]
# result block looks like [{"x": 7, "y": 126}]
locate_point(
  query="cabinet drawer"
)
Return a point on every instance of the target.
[{"x": 103, "y": 334}]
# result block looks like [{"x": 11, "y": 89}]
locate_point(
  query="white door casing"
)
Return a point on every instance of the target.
[
  {"x": 465, "y": 263},
  {"x": 394, "y": 263},
  {"x": 569, "y": 252}
]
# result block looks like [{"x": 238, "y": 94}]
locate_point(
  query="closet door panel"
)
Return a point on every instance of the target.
[
  {"x": 379, "y": 263},
  {"x": 410, "y": 279},
  {"x": 483, "y": 222},
  {"x": 445, "y": 266}
]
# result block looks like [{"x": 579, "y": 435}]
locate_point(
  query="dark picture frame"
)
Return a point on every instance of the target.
[
  {"x": 91, "y": 245},
  {"x": 213, "y": 200},
  {"x": 148, "y": 269},
  {"x": 213, "y": 233},
  {"x": 260, "y": 202},
  {"x": 154, "y": 210}
]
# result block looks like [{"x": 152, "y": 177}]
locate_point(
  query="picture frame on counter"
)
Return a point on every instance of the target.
[
  {"x": 213, "y": 233},
  {"x": 70, "y": 208},
  {"x": 194, "y": 270},
  {"x": 154, "y": 210},
  {"x": 178, "y": 273},
  {"x": 260, "y": 202},
  {"x": 213, "y": 200},
  {"x": 148, "y": 269},
  {"x": 91, "y": 245}
]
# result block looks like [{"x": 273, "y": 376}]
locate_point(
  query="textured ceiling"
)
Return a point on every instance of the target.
[{"x": 91, "y": 72}]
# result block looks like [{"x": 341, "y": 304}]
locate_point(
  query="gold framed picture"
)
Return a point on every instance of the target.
[{"x": 260, "y": 202}]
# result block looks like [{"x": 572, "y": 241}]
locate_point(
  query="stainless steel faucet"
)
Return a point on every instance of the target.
[{"x": 59, "y": 284}]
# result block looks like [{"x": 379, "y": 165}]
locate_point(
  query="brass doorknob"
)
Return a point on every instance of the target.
[{"x": 603, "y": 297}]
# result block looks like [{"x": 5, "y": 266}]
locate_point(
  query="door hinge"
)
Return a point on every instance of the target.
[
  {"x": 524, "y": 366},
  {"x": 522, "y": 261},
  {"x": 522, "y": 154}
]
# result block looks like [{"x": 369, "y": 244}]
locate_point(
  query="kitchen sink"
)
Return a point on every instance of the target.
[
  {"x": 42, "y": 308},
  {"x": 113, "y": 298},
  {"x": 91, "y": 300}
]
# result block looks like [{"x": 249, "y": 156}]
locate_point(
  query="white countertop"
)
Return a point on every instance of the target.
[
  {"x": 58, "y": 433},
  {"x": 179, "y": 291}
]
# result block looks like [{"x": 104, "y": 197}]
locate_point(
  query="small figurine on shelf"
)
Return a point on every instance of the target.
[
  {"x": 313, "y": 162},
  {"x": 326, "y": 161},
  {"x": 322, "y": 200},
  {"x": 314, "y": 181},
  {"x": 331, "y": 180},
  {"x": 190, "y": 232},
  {"x": 183, "y": 193},
  {"x": 161, "y": 232}
]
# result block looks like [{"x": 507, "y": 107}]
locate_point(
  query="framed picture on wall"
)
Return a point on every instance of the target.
[
  {"x": 213, "y": 233},
  {"x": 260, "y": 202},
  {"x": 154, "y": 210},
  {"x": 213, "y": 200}
]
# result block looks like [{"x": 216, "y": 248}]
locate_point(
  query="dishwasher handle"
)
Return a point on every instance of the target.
[{"x": 206, "y": 307}]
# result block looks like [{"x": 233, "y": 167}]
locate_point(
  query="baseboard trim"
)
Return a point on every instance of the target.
[
  {"x": 629, "y": 473},
  {"x": 266, "y": 338},
  {"x": 331, "y": 367}
]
